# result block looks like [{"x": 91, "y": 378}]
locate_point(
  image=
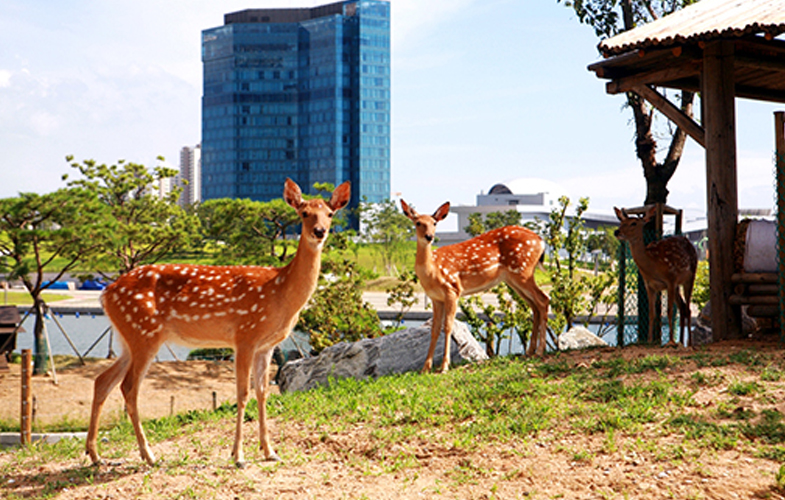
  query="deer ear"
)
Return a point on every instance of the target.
[
  {"x": 650, "y": 213},
  {"x": 407, "y": 210},
  {"x": 341, "y": 196},
  {"x": 292, "y": 194},
  {"x": 442, "y": 212},
  {"x": 620, "y": 214}
]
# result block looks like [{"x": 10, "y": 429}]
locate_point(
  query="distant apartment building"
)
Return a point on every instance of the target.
[
  {"x": 301, "y": 93},
  {"x": 190, "y": 176}
]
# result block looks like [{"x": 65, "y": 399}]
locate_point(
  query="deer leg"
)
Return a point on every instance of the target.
[
  {"x": 242, "y": 368},
  {"x": 538, "y": 302},
  {"x": 104, "y": 384},
  {"x": 450, "y": 307},
  {"x": 673, "y": 299},
  {"x": 130, "y": 387},
  {"x": 436, "y": 328},
  {"x": 652, "y": 297},
  {"x": 684, "y": 316},
  {"x": 261, "y": 381}
]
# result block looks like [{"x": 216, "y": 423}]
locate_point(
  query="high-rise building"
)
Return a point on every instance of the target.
[
  {"x": 190, "y": 176},
  {"x": 300, "y": 93}
]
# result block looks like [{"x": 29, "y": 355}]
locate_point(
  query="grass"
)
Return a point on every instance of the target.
[
  {"x": 23, "y": 298},
  {"x": 632, "y": 406}
]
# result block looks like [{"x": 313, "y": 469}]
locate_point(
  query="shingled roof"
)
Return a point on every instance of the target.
[{"x": 703, "y": 21}]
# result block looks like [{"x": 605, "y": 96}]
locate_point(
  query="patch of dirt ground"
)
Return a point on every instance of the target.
[{"x": 347, "y": 465}]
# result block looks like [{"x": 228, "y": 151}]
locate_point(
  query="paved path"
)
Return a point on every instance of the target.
[{"x": 89, "y": 300}]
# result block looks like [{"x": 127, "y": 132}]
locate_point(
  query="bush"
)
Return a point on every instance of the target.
[{"x": 336, "y": 311}]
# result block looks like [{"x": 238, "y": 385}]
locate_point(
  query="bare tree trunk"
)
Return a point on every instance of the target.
[{"x": 41, "y": 352}]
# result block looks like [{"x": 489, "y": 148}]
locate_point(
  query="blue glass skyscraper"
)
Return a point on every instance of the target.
[{"x": 300, "y": 93}]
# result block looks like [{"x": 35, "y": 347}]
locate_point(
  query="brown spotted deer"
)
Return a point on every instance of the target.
[
  {"x": 668, "y": 264},
  {"x": 508, "y": 254},
  {"x": 249, "y": 308}
]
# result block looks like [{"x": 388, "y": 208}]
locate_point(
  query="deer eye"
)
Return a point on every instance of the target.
[
  {"x": 418, "y": 224},
  {"x": 306, "y": 215},
  {"x": 330, "y": 215}
]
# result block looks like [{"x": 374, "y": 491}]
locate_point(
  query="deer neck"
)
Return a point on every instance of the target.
[
  {"x": 302, "y": 274},
  {"x": 640, "y": 255},
  {"x": 425, "y": 264}
]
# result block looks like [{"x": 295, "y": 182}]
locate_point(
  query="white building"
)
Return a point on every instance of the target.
[
  {"x": 534, "y": 198},
  {"x": 190, "y": 176}
]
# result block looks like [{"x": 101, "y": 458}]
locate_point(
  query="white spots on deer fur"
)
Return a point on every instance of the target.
[
  {"x": 253, "y": 307},
  {"x": 149, "y": 305},
  {"x": 207, "y": 315},
  {"x": 138, "y": 296},
  {"x": 128, "y": 318},
  {"x": 220, "y": 313},
  {"x": 278, "y": 280}
]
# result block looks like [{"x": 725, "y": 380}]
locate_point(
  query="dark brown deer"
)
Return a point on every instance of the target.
[{"x": 668, "y": 264}]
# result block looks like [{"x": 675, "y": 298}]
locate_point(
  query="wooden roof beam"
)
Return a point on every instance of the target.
[
  {"x": 673, "y": 113},
  {"x": 689, "y": 69}
]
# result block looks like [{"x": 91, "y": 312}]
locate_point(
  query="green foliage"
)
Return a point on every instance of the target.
[
  {"x": 248, "y": 232},
  {"x": 402, "y": 294},
  {"x": 336, "y": 311},
  {"x": 606, "y": 16},
  {"x": 491, "y": 324},
  {"x": 387, "y": 230},
  {"x": 493, "y": 220},
  {"x": 49, "y": 233},
  {"x": 701, "y": 290},
  {"x": 145, "y": 227},
  {"x": 567, "y": 293}
]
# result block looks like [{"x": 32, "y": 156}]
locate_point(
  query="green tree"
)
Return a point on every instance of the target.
[
  {"x": 246, "y": 231},
  {"x": 604, "y": 241},
  {"x": 147, "y": 227},
  {"x": 387, "y": 230},
  {"x": 564, "y": 234},
  {"x": 49, "y": 233},
  {"x": 493, "y": 220},
  {"x": 608, "y": 18}
]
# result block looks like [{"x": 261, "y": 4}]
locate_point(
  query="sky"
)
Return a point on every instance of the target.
[{"x": 483, "y": 91}]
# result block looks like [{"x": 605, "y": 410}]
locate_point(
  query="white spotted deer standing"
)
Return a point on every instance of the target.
[
  {"x": 668, "y": 264},
  {"x": 249, "y": 308},
  {"x": 508, "y": 254}
]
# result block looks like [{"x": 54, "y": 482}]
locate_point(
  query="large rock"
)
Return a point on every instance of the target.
[
  {"x": 579, "y": 337},
  {"x": 398, "y": 352}
]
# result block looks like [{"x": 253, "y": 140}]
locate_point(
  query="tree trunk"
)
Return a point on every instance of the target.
[{"x": 40, "y": 348}]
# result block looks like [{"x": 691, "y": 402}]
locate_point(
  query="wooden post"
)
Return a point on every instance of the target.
[
  {"x": 26, "y": 426},
  {"x": 779, "y": 138},
  {"x": 719, "y": 120}
]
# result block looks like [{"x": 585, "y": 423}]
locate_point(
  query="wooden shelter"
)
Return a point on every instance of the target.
[{"x": 723, "y": 49}]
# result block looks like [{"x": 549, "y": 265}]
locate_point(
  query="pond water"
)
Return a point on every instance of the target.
[{"x": 88, "y": 332}]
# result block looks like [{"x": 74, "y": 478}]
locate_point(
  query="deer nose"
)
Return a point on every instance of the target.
[
  {"x": 429, "y": 238},
  {"x": 319, "y": 232},
  {"x": 616, "y": 233}
]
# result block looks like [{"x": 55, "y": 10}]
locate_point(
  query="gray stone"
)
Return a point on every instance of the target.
[
  {"x": 579, "y": 337},
  {"x": 398, "y": 352}
]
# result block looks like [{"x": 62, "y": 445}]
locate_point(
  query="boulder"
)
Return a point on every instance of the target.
[
  {"x": 398, "y": 352},
  {"x": 579, "y": 337}
]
